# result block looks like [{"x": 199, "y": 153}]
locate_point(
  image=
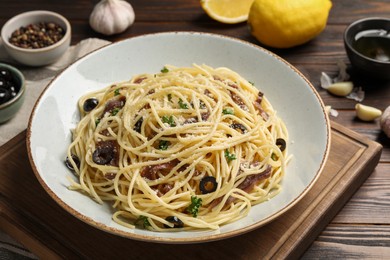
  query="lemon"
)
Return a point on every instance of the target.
[
  {"x": 227, "y": 11},
  {"x": 287, "y": 23}
]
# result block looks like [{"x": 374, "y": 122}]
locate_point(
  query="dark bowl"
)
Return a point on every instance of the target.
[
  {"x": 364, "y": 61},
  {"x": 12, "y": 91}
]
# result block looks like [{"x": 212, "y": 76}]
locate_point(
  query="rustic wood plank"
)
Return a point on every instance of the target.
[
  {"x": 343, "y": 12},
  {"x": 9, "y": 225},
  {"x": 372, "y": 196},
  {"x": 345, "y": 242}
]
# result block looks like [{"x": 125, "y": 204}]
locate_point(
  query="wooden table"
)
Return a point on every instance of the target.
[{"x": 362, "y": 228}]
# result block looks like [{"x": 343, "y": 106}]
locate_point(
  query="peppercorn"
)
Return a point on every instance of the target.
[{"x": 35, "y": 36}]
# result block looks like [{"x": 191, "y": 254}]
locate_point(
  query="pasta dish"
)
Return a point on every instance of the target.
[{"x": 183, "y": 149}]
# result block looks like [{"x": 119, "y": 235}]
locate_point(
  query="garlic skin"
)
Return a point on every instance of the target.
[
  {"x": 330, "y": 111},
  {"x": 385, "y": 121},
  {"x": 110, "y": 17}
]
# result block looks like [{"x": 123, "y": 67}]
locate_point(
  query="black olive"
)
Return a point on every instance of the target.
[
  {"x": 177, "y": 223},
  {"x": 5, "y": 95},
  {"x": 281, "y": 143},
  {"x": 13, "y": 90},
  {"x": 205, "y": 116},
  {"x": 138, "y": 125},
  {"x": 76, "y": 161},
  {"x": 90, "y": 104},
  {"x": 208, "y": 184},
  {"x": 191, "y": 120},
  {"x": 239, "y": 126},
  {"x": 5, "y": 74},
  {"x": 3, "y": 83},
  {"x": 10, "y": 85},
  {"x": 103, "y": 155}
]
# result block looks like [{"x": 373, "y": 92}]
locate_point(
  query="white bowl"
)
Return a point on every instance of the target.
[
  {"x": 41, "y": 56},
  {"x": 291, "y": 94}
]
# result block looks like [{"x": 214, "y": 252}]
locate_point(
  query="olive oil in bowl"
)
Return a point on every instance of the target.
[
  {"x": 367, "y": 43},
  {"x": 374, "y": 44}
]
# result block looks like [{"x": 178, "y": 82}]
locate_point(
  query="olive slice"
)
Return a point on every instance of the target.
[
  {"x": 208, "y": 184},
  {"x": 177, "y": 223},
  {"x": 90, "y": 104},
  {"x": 281, "y": 143},
  {"x": 75, "y": 159},
  {"x": 138, "y": 125},
  {"x": 239, "y": 126},
  {"x": 103, "y": 155}
]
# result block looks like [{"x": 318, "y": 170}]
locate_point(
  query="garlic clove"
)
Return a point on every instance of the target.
[
  {"x": 341, "y": 88},
  {"x": 367, "y": 113},
  {"x": 385, "y": 121},
  {"x": 111, "y": 17}
]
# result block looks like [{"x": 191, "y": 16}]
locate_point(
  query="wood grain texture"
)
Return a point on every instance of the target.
[
  {"x": 58, "y": 234},
  {"x": 158, "y": 11},
  {"x": 373, "y": 196},
  {"x": 341, "y": 242}
]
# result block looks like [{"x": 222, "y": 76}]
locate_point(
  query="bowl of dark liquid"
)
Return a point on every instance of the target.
[{"x": 367, "y": 43}]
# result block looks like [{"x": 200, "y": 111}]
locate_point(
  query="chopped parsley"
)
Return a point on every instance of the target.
[
  {"x": 115, "y": 111},
  {"x": 252, "y": 83},
  {"x": 274, "y": 157},
  {"x": 163, "y": 145},
  {"x": 169, "y": 97},
  {"x": 117, "y": 92},
  {"x": 229, "y": 156},
  {"x": 142, "y": 222},
  {"x": 169, "y": 120},
  {"x": 97, "y": 121},
  {"x": 164, "y": 70},
  {"x": 193, "y": 208},
  {"x": 182, "y": 105},
  {"x": 228, "y": 111}
]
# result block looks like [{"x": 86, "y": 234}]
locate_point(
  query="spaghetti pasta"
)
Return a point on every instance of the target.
[{"x": 186, "y": 148}]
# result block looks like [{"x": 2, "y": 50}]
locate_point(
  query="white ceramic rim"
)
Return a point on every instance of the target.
[
  {"x": 67, "y": 28},
  {"x": 181, "y": 240}
]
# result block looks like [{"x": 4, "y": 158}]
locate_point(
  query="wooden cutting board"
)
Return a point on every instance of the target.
[{"x": 29, "y": 215}]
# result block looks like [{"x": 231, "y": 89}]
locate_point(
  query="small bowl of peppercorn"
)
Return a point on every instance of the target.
[
  {"x": 36, "y": 38},
  {"x": 12, "y": 89}
]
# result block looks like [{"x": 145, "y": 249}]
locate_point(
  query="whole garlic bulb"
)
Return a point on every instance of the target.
[
  {"x": 111, "y": 16},
  {"x": 385, "y": 121}
]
